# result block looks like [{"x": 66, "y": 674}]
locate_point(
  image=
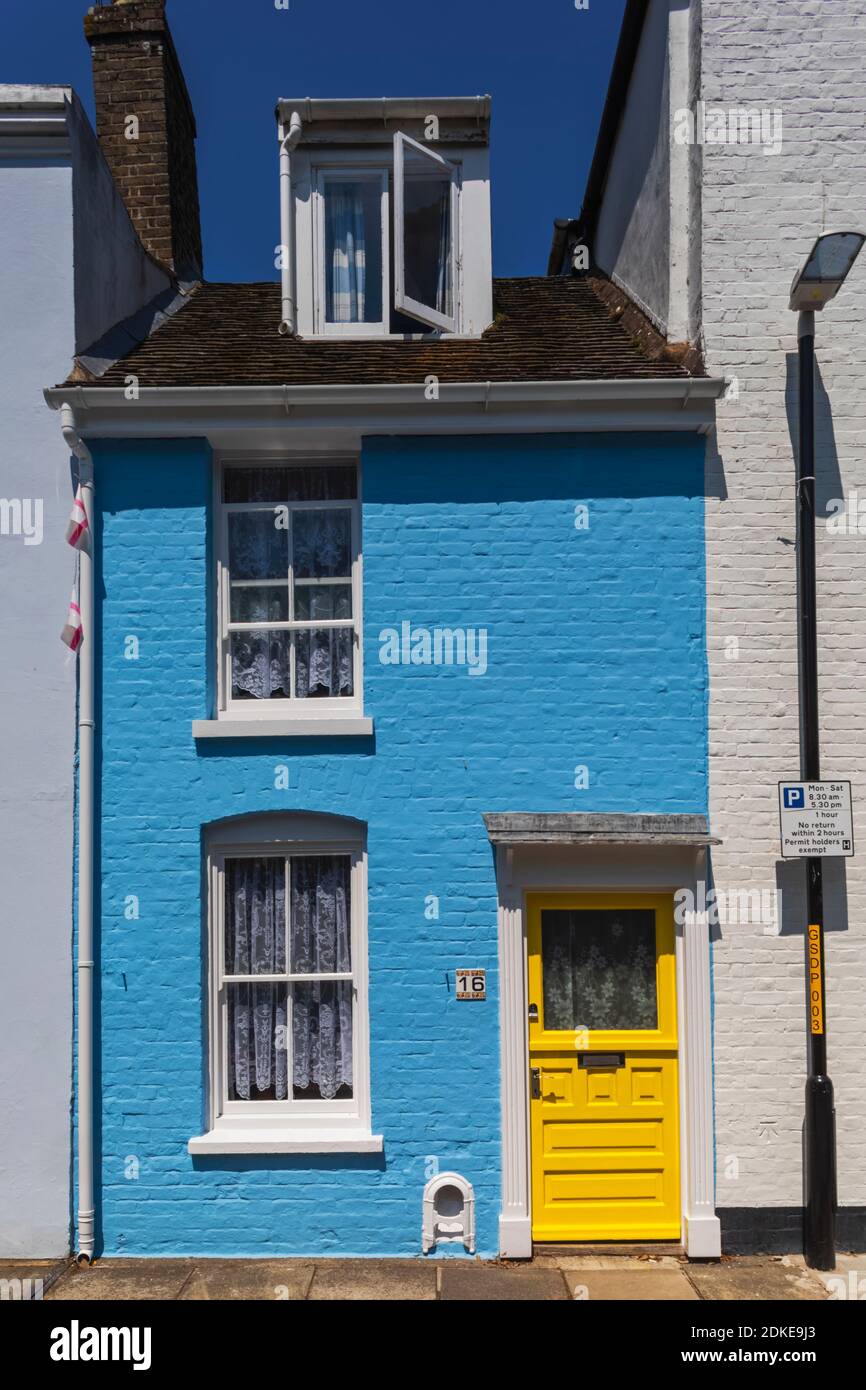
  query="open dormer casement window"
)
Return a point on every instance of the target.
[
  {"x": 385, "y": 216},
  {"x": 425, "y": 234},
  {"x": 388, "y": 244}
]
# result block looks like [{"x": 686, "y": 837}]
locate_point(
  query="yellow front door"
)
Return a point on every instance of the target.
[{"x": 603, "y": 1067}]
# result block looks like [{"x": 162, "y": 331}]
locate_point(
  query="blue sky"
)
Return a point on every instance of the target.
[{"x": 545, "y": 63}]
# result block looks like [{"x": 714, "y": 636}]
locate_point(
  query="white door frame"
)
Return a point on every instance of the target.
[{"x": 618, "y": 867}]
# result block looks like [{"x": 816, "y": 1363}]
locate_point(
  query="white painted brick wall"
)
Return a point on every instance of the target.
[{"x": 760, "y": 214}]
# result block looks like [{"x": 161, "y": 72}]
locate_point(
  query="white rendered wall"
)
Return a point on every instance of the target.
[
  {"x": 71, "y": 267},
  {"x": 632, "y": 240},
  {"x": 760, "y": 215},
  {"x": 37, "y": 703},
  {"x": 114, "y": 275},
  {"x": 650, "y": 204},
  {"x": 749, "y": 219}
]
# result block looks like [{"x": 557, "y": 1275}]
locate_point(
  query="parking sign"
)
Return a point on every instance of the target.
[{"x": 816, "y": 820}]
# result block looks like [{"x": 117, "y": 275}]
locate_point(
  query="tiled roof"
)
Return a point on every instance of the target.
[{"x": 545, "y": 329}]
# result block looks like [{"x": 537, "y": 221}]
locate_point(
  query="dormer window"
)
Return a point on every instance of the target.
[
  {"x": 376, "y": 225},
  {"x": 387, "y": 231}
]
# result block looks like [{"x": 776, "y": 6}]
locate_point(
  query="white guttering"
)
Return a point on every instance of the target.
[
  {"x": 388, "y": 108},
  {"x": 223, "y": 413},
  {"x": 86, "y": 739},
  {"x": 288, "y": 141},
  {"x": 484, "y": 393}
]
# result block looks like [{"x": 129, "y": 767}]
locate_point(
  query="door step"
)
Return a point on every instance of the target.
[{"x": 621, "y": 1247}]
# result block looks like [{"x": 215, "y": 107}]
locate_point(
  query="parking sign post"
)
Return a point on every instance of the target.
[
  {"x": 819, "y": 1216},
  {"x": 816, "y": 283}
]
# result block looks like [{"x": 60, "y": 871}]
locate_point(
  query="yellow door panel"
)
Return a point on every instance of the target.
[
  {"x": 646, "y": 1085},
  {"x": 603, "y": 1060},
  {"x": 630, "y": 1141},
  {"x": 565, "y": 1190}
]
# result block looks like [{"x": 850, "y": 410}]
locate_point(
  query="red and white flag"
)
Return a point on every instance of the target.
[
  {"x": 73, "y": 633},
  {"x": 78, "y": 530}
]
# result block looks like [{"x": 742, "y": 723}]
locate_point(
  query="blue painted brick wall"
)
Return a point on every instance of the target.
[{"x": 596, "y": 656}]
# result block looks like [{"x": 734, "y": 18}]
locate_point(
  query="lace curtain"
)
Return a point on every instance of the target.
[
  {"x": 320, "y": 937},
  {"x": 258, "y": 565},
  {"x": 598, "y": 969},
  {"x": 322, "y": 549},
  {"x": 261, "y": 664},
  {"x": 255, "y": 944},
  {"x": 319, "y": 942}
]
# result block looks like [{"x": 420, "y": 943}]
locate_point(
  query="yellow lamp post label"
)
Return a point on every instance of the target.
[{"x": 816, "y": 993}]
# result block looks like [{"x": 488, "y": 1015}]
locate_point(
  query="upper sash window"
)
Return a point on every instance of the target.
[{"x": 289, "y": 587}]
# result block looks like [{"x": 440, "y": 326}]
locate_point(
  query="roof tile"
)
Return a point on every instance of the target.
[{"x": 544, "y": 329}]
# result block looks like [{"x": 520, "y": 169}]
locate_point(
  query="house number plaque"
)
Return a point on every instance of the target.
[{"x": 471, "y": 984}]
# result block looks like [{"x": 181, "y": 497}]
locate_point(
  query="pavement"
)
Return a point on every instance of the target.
[{"x": 547, "y": 1278}]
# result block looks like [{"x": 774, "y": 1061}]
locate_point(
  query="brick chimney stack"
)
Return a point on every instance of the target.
[{"x": 146, "y": 127}]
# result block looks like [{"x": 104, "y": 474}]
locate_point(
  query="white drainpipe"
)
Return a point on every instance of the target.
[
  {"x": 288, "y": 142},
  {"x": 86, "y": 732}
]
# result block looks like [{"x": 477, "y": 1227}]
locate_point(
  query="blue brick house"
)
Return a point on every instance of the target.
[{"x": 399, "y": 762}]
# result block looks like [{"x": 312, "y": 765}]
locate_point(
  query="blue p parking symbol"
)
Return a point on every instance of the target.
[{"x": 794, "y": 798}]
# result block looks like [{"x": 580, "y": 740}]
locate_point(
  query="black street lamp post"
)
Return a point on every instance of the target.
[{"x": 815, "y": 285}]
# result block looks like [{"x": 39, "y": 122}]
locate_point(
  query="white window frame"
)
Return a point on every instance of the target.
[
  {"x": 403, "y": 302},
  {"x": 293, "y": 708},
  {"x": 327, "y": 167},
  {"x": 290, "y": 1125},
  {"x": 332, "y": 173}
]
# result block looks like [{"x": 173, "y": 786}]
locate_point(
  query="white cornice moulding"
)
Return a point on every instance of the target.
[
  {"x": 673, "y": 404},
  {"x": 31, "y": 112},
  {"x": 33, "y": 122}
]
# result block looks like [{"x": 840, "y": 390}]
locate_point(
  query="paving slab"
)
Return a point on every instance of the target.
[
  {"x": 650, "y": 1284},
  {"x": 616, "y": 1250},
  {"x": 606, "y": 1262},
  {"x": 477, "y": 1283},
  {"x": 123, "y": 1279},
  {"x": 248, "y": 1280},
  {"x": 756, "y": 1280},
  {"x": 372, "y": 1280}
]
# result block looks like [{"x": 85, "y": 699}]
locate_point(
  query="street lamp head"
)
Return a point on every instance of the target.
[{"x": 821, "y": 278}]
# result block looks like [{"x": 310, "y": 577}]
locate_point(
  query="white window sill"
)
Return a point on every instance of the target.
[
  {"x": 286, "y": 1141},
  {"x": 336, "y": 726}
]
